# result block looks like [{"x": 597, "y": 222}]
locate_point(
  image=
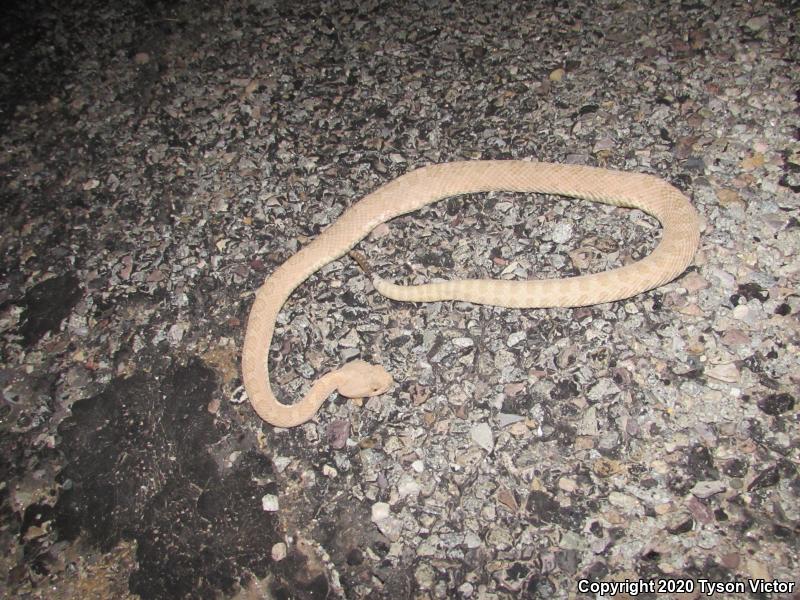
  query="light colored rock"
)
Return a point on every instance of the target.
[
  {"x": 471, "y": 540},
  {"x": 482, "y": 435},
  {"x": 175, "y": 334},
  {"x": 727, "y": 372},
  {"x": 588, "y": 424},
  {"x": 757, "y": 569},
  {"x": 408, "y": 486},
  {"x": 748, "y": 313},
  {"x": 515, "y": 338},
  {"x": 380, "y": 511},
  {"x": 500, "y": 538},
  {"x": 278, "y": 551},
  {"x": 427, "y": 547},
  {"x": 505, "y": 419},
  {"x": 604, "y": 387},
  {"x": 625, "y": 502},
  {"x": 281, "y": 462},
  {"x": 604, "y": 143},
  {"x": 425, "y": 576},
  {"x": 562, "y": 232},
  {"x": 757, "y": 23},
  {"x": 706, "y": 489},
  {"x": 391, "y": 527},
  {"x": 571, "y": 541},
  {"x": 694, "y": 282},
  {"x": 351, "y": 340},
  {"x": 269, "y": 503},
  {"x": 567, "y": 484}
]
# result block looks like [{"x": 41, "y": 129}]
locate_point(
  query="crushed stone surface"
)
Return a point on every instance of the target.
[{"x": 160, "y": 160}]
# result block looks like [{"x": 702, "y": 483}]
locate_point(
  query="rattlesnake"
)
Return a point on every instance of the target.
[{"x": 681, "y": 233}]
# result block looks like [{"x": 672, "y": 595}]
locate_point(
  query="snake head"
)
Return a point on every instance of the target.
[{"x": 359, "y": 379}]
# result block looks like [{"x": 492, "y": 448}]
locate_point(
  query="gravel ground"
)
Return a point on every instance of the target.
[{"x": 161, "y": 159}]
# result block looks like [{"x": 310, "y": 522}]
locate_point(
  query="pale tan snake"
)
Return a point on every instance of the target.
[{"x": 681, "y": 233}]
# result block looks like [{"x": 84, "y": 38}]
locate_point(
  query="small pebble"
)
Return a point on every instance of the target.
[
  {"x": 727, "y": 372},
  {"x": 515, "y": 338},
  {"x": 706, "y": 489},
  {"x": 482, "y": 435},
  {"x": 269, "y": 503},
  {"x": 407, "y": 486},
  {"x": 380, "y": 511},
  {"x": 278, "y": 551}
]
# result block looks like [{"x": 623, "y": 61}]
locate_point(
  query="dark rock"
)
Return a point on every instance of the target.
[
  {"x": 769, "y": 477},
  {"x": 47, "y": 304},
  {"x": 776, "y": 404}
]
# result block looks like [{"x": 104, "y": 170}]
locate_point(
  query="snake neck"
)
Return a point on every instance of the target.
[
  {"x": 255, "y": 370},
  {"x": 275, "y": 412}
]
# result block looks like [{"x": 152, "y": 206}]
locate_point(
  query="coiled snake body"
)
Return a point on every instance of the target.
[{"x": 681, "y": 232}]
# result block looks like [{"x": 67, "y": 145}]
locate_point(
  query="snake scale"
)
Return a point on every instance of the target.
[{"x": 680, "y": 237}]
